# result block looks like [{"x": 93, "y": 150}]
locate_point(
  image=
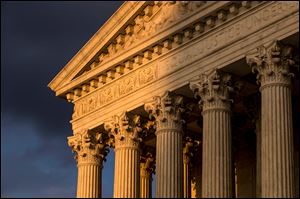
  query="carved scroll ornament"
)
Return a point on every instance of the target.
[
  {"x": 89, "y": 147},
  {"x": 166, "y": 110},
  {"x": 124, "y": 130},
  {"x": 213, "y": 90},
  {"x": 272, "y": 63}
]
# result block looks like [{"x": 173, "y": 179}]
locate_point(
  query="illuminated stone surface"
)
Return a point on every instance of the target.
[{"x": 137, "y": 84}]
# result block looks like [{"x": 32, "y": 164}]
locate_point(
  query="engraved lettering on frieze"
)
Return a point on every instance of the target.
[
  {"x": 242, "y": 28},
  {"x": 113, "y": 91}
]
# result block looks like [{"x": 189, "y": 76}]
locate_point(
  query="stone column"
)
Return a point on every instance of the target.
[
  {"x": 196, "y": 170},
  {"x": 147, "y": 168},
  {"x": 187, "y": 153},
  {"x": 127, "y": 155},
  {"x": 91, "y": 151},
  {"x": 213, "y": 89},
  {"x": 272, "y": 64},
  {"x": 169, "y": 171},
  {"x": 258, "y": 156}
]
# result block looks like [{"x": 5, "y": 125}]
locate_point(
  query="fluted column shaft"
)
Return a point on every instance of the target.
[
  {"x": 216, "y": 175},
  {"x": 277, "y": 142},
  {"x": 127, "y": 172},
  {"x": 277, "y": 167},
  {"x": 196, "y": 181},
  {"x": 213, "y": 89},
  {"x": 186, "y": 179},
  {"x": 189, "y": 149},
  {"x": 90, "y": 152},
  {"x": 258, "y": 156},
  {"x": 196, "y": 170},
  {"x": 126, "y": 132},
  {"x": 169, "y": 165},
  {"x": 146, "y": 182},
  {"x": 89, "y": 181}
]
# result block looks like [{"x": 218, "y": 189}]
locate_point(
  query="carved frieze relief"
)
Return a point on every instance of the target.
[
  {"x": 114, "y": 91},
  {"x": 246, "y": 24},
  {"x": 151, "y": 72}
]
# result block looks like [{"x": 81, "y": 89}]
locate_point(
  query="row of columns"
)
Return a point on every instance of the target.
[{"x": 213, "y": 90}]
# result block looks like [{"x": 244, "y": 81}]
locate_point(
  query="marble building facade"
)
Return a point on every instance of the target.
[{"x": 202, "y": 94}]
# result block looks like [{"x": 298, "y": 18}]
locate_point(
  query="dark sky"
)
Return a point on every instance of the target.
[{"x": 37, "y": 40}]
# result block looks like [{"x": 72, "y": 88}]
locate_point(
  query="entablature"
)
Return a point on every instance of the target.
[
  {"x": 169, "y": 71},
  {"x": 158, "y": 27}
]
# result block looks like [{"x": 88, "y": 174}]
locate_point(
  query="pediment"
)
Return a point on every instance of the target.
[{"x": 130, "y": 26}]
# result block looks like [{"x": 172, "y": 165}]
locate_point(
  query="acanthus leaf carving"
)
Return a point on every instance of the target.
[
  {"x": 190, "y": 147},
  {"x": 271, "y": 63},
  {"x": 125, "y": 131},
  {"x": 148, "y": 163},
  {"x": 213, "y": 89},
  {"x": 166, "y": 110},
  {"x": 90, "y": 147}
]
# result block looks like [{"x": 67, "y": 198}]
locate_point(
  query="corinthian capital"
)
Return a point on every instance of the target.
[
  {"x": 213, "y": 89},
  {"x": 187, "y": 150},
  {"x": 166, "y": 110},
  {"x": 148, "y": 162},
  {"x": 90, "y": 147},
  {"x": 190, "y": 147},
  {"x": 126, "y": 131},
  {"x": 272, "y": 63}
]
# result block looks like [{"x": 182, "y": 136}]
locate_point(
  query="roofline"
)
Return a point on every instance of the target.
[{"x": 111, "y": 25}]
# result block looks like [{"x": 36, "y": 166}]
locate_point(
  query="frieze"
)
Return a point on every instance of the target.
[
  {"x": 115, "y": 90},
  {"x": 237, "y": 31},
  {"x": 247, "y": 24}
]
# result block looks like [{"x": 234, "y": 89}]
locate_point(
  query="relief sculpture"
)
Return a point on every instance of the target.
[
  {"x": 166, "y": 14},
  {"x": 114, "y": 91}
]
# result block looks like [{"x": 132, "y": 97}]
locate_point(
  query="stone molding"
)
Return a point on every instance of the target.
[
  {"x": 122, "y": 87},
  {"x": 250, "y": 26},
  {"x": 272, "y": 64},
  {"x": 111, "y": 91},
  {"x": 102, "y": 36},
  {"x": 214, "y": 15}
]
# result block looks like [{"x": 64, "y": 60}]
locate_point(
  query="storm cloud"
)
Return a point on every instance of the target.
[{"x": 37, "y": 40}]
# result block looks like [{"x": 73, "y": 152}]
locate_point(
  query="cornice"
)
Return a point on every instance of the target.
[
  {"x": 212, "y": 16},
  {"x": 100, "y": 38},
  {"x": 226, "y": 52},
  {"x": 135, "y": 52}
]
